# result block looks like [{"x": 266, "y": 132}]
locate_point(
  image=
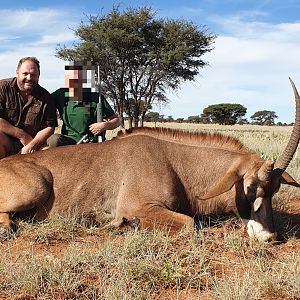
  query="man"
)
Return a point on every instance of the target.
[
  {"x": 27, "y": 112},
  {"x": 77, "y": 107}
]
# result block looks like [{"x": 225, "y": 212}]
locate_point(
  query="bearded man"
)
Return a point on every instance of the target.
[{"x": 27, "y": 111}]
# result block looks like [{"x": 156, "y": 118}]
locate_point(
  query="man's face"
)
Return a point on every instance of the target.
[
  {"x": 27, "y": 76},
  {"x": 74, "y": 79}
]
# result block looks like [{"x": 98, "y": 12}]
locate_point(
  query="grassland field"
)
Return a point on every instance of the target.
[{"x": 69, "y": 259}]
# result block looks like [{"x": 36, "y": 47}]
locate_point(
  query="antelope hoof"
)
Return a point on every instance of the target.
[
  {"x": 134, "y": 223},
  {"x": 7, "y": 231}
]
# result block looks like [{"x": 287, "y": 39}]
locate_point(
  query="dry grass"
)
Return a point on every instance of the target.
[
  {"x": 69, "y": 259},
  {"x": 72, "y": 261}
]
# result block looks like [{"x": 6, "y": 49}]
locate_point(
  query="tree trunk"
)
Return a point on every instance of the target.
[
  {"x": 130, "y": 122},
  {"x": 122, "y": 121},
  {"x": 136, "y": 122}
]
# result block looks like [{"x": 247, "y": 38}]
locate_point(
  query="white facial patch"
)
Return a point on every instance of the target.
[{"x": 256, "y": 230}]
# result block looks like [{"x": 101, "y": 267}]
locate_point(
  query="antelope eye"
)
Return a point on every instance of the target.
[{"x": 251, "y": 193}]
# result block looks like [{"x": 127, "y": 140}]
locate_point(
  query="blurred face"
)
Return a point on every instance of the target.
[
  {"x": 74, "y": 79},
  {"x": 27, "y": 76}
]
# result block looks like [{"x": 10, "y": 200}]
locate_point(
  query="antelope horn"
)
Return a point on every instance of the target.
[
  {"x": 283, "y": 161},
  {"x": 265, "y": 171}
]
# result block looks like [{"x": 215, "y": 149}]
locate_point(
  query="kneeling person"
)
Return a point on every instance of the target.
[
  {"x": 27, "y": 111},
  {"x": 77, "y": 107}
]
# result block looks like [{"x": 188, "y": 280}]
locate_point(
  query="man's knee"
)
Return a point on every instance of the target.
[
  {"x": 57, "y": 139},
  {"x": 54, "y": 140}
]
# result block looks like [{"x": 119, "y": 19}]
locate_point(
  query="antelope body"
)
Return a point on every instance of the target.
[{"x": 161, "y": 177}]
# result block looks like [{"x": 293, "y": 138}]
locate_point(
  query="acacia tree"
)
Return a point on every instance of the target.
[
  {"x": 140, "y": 56},
  {"x": 264, "y": 117},
  {"x": 224, "y": 113},
  {"x": 152, "y": 116},
  {"x": 194, "y": 119}
]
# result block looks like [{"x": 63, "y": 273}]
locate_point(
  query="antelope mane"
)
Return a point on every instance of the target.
[{"x": 206, "y": 139}]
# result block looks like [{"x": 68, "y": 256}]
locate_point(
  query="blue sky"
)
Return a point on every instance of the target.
[{"x": 257, "y": 48}]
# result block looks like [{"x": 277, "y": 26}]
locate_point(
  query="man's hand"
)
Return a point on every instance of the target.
[
  {"x": 37, "y": 143},
  {"x": 98, "y": 128},
  {"x": 29, "y": 148}
]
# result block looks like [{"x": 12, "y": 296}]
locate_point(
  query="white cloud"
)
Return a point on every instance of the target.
[
  {"x": 35, "y": 33},
  {"x": 250, "y": 65},
  {"x": 35, "y": 27},
  {"x": 4, "y": 38},
  {"x": 61, "y": 37},
  {"x": 41, "y": 20}
]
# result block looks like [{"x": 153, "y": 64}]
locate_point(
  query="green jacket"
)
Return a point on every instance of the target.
[{"x": 78, "y": 115}]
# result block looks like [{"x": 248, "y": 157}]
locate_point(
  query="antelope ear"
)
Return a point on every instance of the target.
[
  {"x": 286, "y": 178},
  {"x": 224, "y": 185},
  {"x": 257, "y": 204}
]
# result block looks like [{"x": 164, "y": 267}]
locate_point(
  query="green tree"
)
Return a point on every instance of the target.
[
  {"x": 194, "y": 119},
  {"x": 224, "y": 113},
  {"x": 179, "y": 120},
  {"x": 141, "y": 56},
  {"x": 152, "y": 116},
  {"x": 170, "y": 119},
  {"x": 264, "y": 117}
]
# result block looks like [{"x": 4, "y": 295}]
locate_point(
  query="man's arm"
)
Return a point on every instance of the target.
[
  {"x": 39, "y": 141},
  {"x": 15, "y": 132}
]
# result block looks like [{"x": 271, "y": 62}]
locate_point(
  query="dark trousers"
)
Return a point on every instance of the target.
[{"x": 57, "y": 139}]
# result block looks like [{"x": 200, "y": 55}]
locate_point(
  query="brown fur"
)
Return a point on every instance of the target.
[{"x": 162, "y": 177}]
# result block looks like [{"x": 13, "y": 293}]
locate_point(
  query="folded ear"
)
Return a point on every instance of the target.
[
  {"x": 224, "y": 185},
  {"x": 286, "y": 178}
]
